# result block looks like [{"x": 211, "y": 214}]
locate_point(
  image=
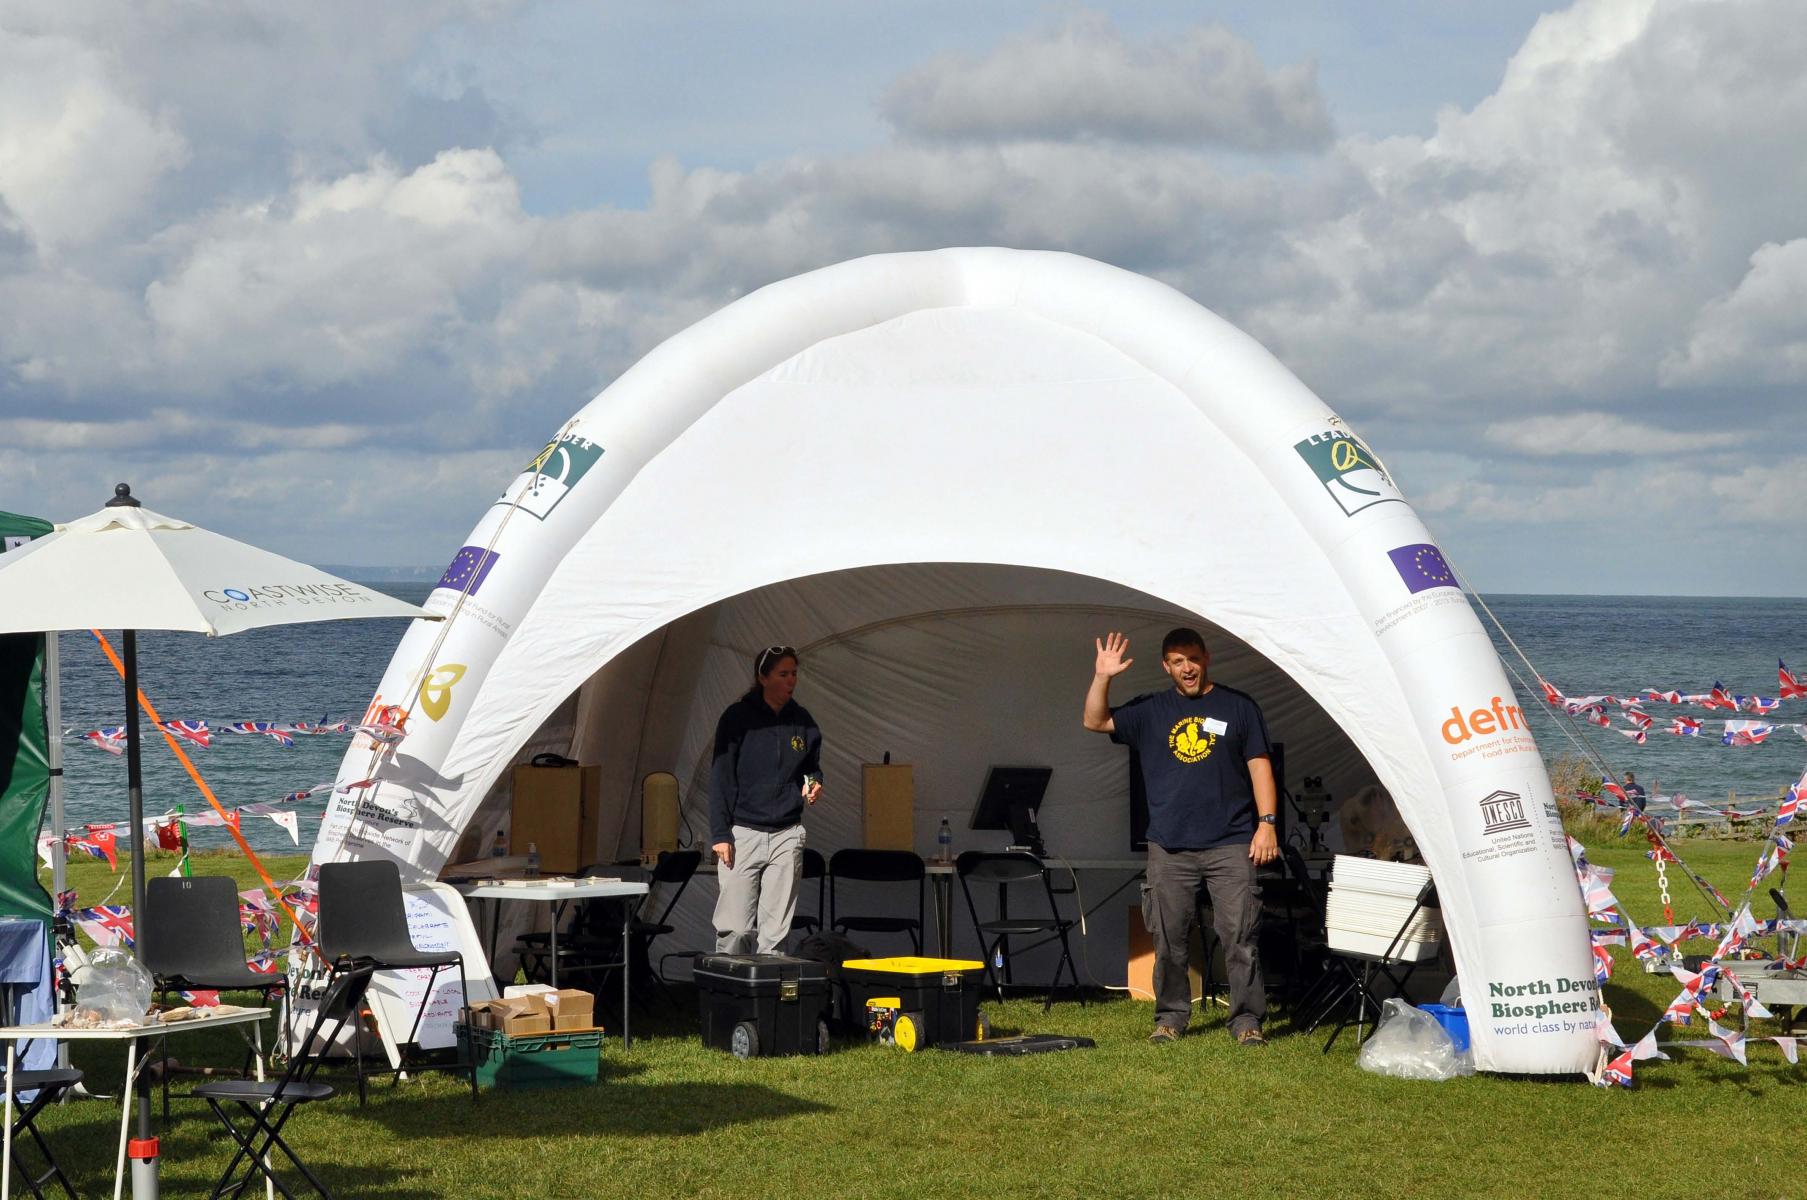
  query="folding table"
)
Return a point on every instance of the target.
[
  {"x": 558, "y": 894},
  {"x": 132, "y": 1035}
]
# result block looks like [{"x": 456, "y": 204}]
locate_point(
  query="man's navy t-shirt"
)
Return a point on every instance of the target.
[{"x": 1194, "y": 753}]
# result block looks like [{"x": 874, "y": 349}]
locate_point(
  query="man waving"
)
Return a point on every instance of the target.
[{"x": 1211, "y": 815}]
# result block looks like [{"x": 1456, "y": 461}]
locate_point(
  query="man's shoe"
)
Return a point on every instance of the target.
[
  {"x": 1163, "y": 1034},
  {"x": 1250, "y": 1037}
]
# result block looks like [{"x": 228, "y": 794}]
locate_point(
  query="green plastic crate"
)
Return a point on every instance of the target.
[{"x": 532, "y": 1060}]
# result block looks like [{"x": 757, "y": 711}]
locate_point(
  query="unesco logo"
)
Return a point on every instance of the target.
[{"x": 1502, "y": 812}]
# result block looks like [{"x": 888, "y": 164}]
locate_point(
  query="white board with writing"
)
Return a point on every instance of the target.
[{"x": 438, "y": 919}]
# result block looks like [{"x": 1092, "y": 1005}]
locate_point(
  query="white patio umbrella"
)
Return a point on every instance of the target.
[{"x": 128, "y": 568}]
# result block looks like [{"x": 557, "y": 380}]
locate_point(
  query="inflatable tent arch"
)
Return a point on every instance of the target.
[{"x": 1031, "y": 409}]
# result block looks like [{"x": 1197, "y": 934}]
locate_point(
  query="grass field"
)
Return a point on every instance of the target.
[{"x": 1202, "y": 1116}]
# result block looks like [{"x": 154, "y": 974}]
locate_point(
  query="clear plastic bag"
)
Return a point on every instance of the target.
[
  {"x": 114, "y": 988},
  {"x": 1409, "y": 1044}
]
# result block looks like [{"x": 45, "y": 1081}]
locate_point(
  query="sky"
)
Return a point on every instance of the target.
[{"x": 323, "y": 276}]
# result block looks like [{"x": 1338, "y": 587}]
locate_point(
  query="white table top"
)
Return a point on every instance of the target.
[
  {"x": 577, "y": 889},
  {"x": 243, "y": 1016},
  {"x": 1078, "y": 864}
]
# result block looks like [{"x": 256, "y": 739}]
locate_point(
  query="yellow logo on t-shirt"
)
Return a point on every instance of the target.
[
  {"x": 1189, "y": 741},
  {"x": 796, "y": 741}
]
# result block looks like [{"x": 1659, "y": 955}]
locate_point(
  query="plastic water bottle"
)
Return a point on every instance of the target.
[
  {"x": 944, "y": 841},
  {"x": 499, "y": 849},
  {"x": 533, "y": 861}
]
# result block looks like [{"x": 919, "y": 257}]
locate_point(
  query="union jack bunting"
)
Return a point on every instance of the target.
[
  {"x": 110, "y": 738},
  {"x": 1746, "y": 733},
  {"x": 1719, "y": 698},
  {"x": 1792, "y": 688},
  {"x": 106, "y": 924},
  {"x": 1618, "y": 1071},
  {"x": 190, "y": 731}
]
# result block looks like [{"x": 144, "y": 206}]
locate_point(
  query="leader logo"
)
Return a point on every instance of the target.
[
  {"x": 558, "y": 468},
  {"x": 1349, "y": 471}
]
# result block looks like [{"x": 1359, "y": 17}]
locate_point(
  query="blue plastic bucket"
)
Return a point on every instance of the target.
[{"x": 1454, "y": 1022}]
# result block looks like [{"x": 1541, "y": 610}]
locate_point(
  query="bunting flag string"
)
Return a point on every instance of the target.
[
  {"x": 101, "y": 839},
  {"x": 1616, "y": 1064},
  {"x": 111, "y": 738},
  {"x": 1684, "y": 807},
  {"x": 1631, "y": 709},
  {"x": 110, "y": 925}
]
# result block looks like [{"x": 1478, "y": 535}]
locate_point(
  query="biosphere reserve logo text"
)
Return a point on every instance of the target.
[
  {"x": 282, "y": 595},
  {"x": 1348, "y": 470},
  {"x": 1190, "y": 741}
]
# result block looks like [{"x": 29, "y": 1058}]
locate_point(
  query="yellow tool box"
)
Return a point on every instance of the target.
[{"x": 917, "y": 1002}]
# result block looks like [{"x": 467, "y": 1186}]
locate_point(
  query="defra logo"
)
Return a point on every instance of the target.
[{"x": 1497, "y": 729}]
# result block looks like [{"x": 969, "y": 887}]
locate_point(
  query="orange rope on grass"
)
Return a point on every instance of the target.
[{"x": 194, "y": 774}]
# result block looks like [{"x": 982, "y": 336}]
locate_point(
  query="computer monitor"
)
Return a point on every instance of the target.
[{"x": 1010, "y": 800}]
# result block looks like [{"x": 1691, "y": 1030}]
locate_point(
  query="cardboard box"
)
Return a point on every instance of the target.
[
  {"x": 1141, "y": 959},
  {"x": 888, "y": 805},
  {"x": 557, "y": 810},
  {"x": 571, "y": 1008},
  {"x": 513, "y": 1015}
]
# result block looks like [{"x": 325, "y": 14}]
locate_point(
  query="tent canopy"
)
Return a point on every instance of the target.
[
  {"x": 24, "y": 750},
  {"x": 1006, "y": 453}
]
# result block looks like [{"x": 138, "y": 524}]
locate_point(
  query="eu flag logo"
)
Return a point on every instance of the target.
[
  {"x": 470, "y": 567},
  {"x": 1422, "y": 567}
]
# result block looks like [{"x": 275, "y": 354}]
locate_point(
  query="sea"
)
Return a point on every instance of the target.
[{"x": 1584, "y": 645}]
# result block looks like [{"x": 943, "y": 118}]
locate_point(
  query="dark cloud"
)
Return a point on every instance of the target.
[{"x": 1085, "y": 80}]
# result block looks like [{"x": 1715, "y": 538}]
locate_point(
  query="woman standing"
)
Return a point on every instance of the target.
[{"x": 767, "y": 766}]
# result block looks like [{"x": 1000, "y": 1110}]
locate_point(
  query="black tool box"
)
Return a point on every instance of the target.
[{"x": 763, "y": 1005}]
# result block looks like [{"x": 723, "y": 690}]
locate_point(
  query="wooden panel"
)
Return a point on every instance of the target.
[
  {"x": 1141, "y": 958},
  {"x": 888, "y": 803},
  {"x": 556, "y": 809}
]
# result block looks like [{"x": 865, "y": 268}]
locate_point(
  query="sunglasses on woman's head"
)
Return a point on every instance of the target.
[{"x": 772, "y": 654}]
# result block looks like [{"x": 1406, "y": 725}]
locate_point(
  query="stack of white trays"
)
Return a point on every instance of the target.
[{"x": 1370, "y": 900}]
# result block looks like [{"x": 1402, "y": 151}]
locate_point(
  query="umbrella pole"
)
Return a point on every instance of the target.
[
  {"x": 143, "y": 1147},
  {"x": 59, "y": 858}
]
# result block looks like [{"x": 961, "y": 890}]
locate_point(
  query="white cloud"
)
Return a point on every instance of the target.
[
  {"x": 1600, "y": 433},
  {"x": 344, "y": 280},
  {"x": 77, "y": 158},
  {"x": 299, "y": 235},
  {"x": 1083, "y": 79},
  {"x": 1758, "y": 333}
]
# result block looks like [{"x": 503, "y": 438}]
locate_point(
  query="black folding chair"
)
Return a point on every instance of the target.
[
  {"x": 49, "y": 1086},
  {"x": 876, "y": 866},
  {"x": 1356, "y": 974},
  {"x": 363, "y": 918},
  {"x": 594, "y": 944},
  {"x": 263, "y": 1108},
  {"x": 1007, "y": 869},
  {"x": 673, "y": 872},
  {"x": 814, "y": 867},
  {"x": 1287, "y": 886},
  {"x": 192, "y": 940}
]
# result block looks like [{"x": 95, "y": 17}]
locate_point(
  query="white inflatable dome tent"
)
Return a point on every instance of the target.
[{"x": 940, "y": 475}]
